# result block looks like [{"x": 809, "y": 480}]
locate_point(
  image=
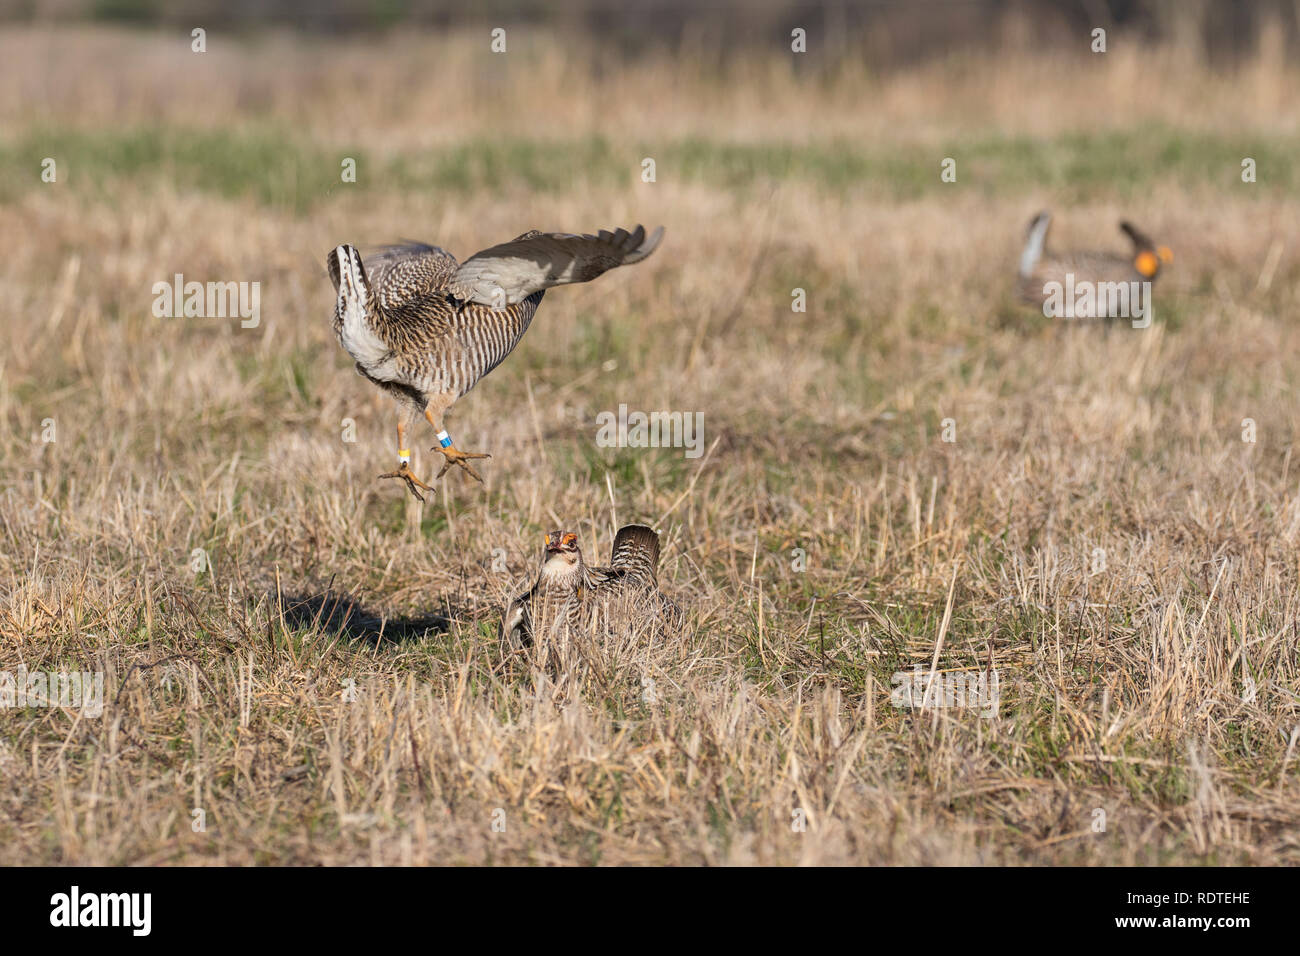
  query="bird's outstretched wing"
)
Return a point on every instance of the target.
[
  {"x": 405, "y": 271},
  {"x": 514, "y": 270}
]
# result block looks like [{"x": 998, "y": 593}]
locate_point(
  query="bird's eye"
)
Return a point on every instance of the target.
[{"x": 548, "y": 539}]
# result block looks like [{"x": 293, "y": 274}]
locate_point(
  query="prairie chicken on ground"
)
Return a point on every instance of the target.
[
  {"x": 425, "y": 328},
  {"x": 568, "y": 590},
  {"x": 1038, "y": 267}
]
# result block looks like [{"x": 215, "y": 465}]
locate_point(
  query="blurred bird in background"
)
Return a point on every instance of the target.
[{"x": 1038, "y": 266}]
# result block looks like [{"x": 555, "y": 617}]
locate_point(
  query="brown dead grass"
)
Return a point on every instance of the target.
[{"x": 1123, "y": 687}]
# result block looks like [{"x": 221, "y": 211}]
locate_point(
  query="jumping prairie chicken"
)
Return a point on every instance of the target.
[
  {"x": 1038, "y": 267},
  {"x": 568, "y": 589},
  {"x": 426, "y": 328}
]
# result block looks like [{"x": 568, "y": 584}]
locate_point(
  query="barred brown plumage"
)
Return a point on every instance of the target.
[
  {"x": 1039, "y": 267},
  {"x": 425, "y": 328},
  {"x": 568, "y": 589}
]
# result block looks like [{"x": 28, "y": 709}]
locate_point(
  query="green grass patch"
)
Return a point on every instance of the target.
[{"x": 297, "y": 173}]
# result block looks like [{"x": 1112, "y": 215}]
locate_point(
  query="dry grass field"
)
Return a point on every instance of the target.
[{"x": 328, "y": 687}]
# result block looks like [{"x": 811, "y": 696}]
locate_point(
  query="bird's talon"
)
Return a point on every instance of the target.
[
  {"x": 412, "y": 482},
  {"x": 455, "y": 456}
]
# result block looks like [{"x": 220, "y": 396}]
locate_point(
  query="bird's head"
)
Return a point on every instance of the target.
[
  {"x": 1147, "y": 256},
  {"x": 562, "y": 553},
  {"x": 350, "y": 281}
]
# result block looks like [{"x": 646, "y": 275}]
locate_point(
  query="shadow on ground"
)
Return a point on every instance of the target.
[{"x": 333, "y": 612}]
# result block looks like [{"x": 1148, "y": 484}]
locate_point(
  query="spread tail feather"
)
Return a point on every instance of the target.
[
  {"x": 636, "y": 545},
  {"x": 1035, "y": 244}
]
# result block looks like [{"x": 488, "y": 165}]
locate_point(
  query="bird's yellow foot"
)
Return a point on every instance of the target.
[
  {"x": 405, "y": 473},
  {"x": 455, "y": 456}
]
